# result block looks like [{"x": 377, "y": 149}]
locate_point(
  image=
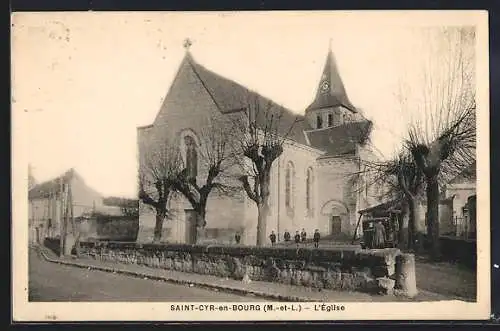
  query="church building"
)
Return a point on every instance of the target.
[{"x": 313, "y": 182}]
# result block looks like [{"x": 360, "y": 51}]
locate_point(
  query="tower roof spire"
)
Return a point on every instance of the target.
[{"x": 331, "y": 91}]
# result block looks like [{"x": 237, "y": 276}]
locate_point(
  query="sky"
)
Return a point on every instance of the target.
[{"x": 83, "y": 82}]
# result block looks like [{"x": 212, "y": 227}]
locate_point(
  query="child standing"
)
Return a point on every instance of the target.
[
  {"x": 272, "y": 237},
  {"x": 286, "y": 236},
  {"x": 297, "y": 238},
  {"x": 316, "y": 238},
  {"x": 303, "y": 236}
]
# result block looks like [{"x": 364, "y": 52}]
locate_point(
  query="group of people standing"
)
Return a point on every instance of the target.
[{"x": 298, "y": 238}]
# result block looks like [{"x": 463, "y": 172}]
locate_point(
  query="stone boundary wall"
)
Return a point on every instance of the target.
[{"x": 345, "y": 269}]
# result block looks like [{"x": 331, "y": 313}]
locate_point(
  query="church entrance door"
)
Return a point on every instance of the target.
[
  {"x": 335, "y": 225},
  {"x": 190, "y": 226}
]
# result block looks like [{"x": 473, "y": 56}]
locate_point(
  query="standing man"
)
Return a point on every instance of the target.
[
  {"x": 286, "y": 236},
  {"x": 272, "y": 237},
  {"x": 316, "y": 238},
  {"x": 297, "y": 238},
  {"x": 237, "y": 238},
  {"x": 379, "y": 236},
  {"x": 303, "y": 236}
]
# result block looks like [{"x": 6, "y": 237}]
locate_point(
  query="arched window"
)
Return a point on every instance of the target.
[
  {"x": 309, "y": 190},
  {"x": 289, "y": 185},
  {"x": 191, "y": 157},
  {"x": 330, "y": 120},
  {"x": 319, "y": 122}
]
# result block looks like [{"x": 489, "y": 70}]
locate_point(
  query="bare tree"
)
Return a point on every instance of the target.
[
  {"x": 259, "y": 138},
  {"x": 217, "y": 156},
  {"x": 158, "y": 170},
  {"x": 442, "y": 136}
]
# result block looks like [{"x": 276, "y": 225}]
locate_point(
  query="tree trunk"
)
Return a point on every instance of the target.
[
  {"x": 263, "y": 206},
  {"x": 160, "y": 216},
  {"x": 263, "y": 211},
  {"x": 200, "y": 225},
  {"x": 402, "y": 225},
  {"x": 432, "y": 190}
]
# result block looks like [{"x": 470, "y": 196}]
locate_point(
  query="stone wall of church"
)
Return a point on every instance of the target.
[
  {"x": 296, "y": 216},
  {"x": 337, "y": 196},
  {"x": 189, "y": 109}
]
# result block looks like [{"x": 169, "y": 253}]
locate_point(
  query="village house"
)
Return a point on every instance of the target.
[
  {"x": 312, "y": 182},
  {"x": 46, "y": 202},
  {"x": 461, "y": 190}
]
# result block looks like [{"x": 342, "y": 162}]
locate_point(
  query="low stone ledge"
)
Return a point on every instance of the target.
[{"x": 337, "y": 269}]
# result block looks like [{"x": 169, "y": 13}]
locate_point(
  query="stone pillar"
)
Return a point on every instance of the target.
[{"x": 406, "y": 282}]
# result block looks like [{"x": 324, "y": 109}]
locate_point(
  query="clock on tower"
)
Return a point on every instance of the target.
[{"x": 325, "y": 86}]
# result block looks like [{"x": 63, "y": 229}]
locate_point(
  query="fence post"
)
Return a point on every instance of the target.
[{"x": 406, "y": 282}]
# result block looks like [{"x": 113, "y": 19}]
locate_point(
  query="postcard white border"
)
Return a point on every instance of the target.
[{"x": 30, "y": 311}]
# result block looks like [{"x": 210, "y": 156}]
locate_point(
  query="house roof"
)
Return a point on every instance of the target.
[
  {"x": 331, "y": 91},
  {"x": 230, "y": 96},
  {"x": 393, "y": 205},
  {"x": 340, "y": 140},
  {"x": 53, "y": 187},
  {"x": 50, "y": 187}
]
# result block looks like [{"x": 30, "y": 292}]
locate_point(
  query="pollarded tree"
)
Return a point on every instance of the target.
[
  {"x": 259, "y": 138},
  {"x": 216, "y": 156},
  {"x": 442, "y": 136},
  {"x": 158, "y": 170}
]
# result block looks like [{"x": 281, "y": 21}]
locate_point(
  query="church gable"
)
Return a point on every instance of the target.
[{"x": 187, "y": 105}]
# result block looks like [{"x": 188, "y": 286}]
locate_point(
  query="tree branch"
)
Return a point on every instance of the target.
[{"x": 248, "y": 189}]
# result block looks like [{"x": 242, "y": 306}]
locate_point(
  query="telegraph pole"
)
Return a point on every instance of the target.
[
  {"x": 66, "y": 215},
  {"x": 73, "y": 221},
  {"x": 61, "y": 219},
  {"x": 49, "y": 214}
]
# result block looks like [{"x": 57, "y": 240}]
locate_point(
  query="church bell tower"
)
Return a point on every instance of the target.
[{"x": 331, "y": 106}]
